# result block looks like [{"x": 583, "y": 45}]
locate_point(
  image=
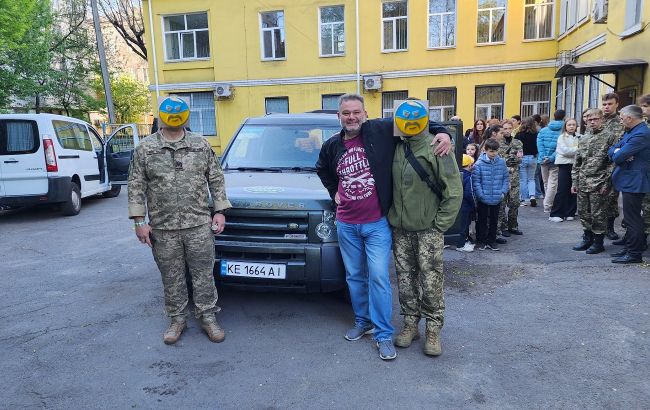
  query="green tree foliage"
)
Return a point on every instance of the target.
[{"x": 130, "y": 97}]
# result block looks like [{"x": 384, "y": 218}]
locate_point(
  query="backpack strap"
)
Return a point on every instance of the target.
[{"x": 410, "y": 157}]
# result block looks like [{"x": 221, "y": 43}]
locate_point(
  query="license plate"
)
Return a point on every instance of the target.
[{"x": 253, "y": 270}]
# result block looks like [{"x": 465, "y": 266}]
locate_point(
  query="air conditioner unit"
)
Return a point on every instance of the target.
[
  {"x": 372, "y": 82},
  {"x": 223, "y": 91},
  {"x": 565, "y": 57},
  {"x": 599, "y": 12}
]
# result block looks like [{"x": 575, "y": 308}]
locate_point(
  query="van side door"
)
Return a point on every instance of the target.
[
  {"x": 22, "y": 160},
  {"x": 78, "y": 153},
  {"x": 118, "y": 150}
]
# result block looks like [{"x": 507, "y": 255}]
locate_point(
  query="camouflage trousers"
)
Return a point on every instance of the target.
[
  {"x": 172, "y": 249},
  {"x": 592, "y": 207},
  {"x": 612, "y": 204},
  {"x": 418, "y": 264},
  {"x": 511, "y": 201}
]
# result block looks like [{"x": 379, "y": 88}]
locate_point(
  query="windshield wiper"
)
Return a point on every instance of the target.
[
  {"x": 257, "y": 169},
  {"x": 298, "y": 169}
]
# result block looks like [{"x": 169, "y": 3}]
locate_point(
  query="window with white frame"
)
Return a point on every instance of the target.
[
  {"x": 186, "y": 37},
  {"x": 572, "y": 12},
  {"x": 489, "y": 102},
  {"x": 330, "y": 101},
  {"x": 203, "y": 119},
  {"x": 272, "y": 35},
  {"x": 580, "y": 97},
  {"x": 535, "y": 99},
  {"x": 538, "y": 19},
  {"x": 633, "y": 10},
  {"x": 491, "y": 23},
  {"x": 442, "y": 23},
  {"x": 569, "y": 84},
  {"x": 388, "y": 99},
  {"x": 332, "y": 30},
  {"x": 594, "y": 91},
  {"x": 442, "y": 103},
  {"x": 395, "y": 25},
  {"x": 277, "y": 105},
  {"x": 559, "y": 94}
]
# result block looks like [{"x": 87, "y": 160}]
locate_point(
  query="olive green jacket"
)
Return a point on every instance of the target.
[{"x": 415, "y": 207}]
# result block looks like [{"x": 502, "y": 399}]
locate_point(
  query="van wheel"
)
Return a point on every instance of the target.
[
  {"x": 73, "y": 205},
  {"x": 115, "y": 191}
]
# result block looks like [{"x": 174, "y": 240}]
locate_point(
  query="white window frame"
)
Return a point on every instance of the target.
[
  {"x": 272, "y": 29},
  {"x": 505, "y": 23},
  {"x": 324, "y": 96},
  {"x": 387, "y": 112},
  {"x": 442, "y": 108},
  {"x": 546, "y": 3},
  {"x": 179, "y": 33},
  {"x": 200, "y": 112},
  {"x": 536, "y": 104},
  {"x": 280, "y": 98},
  {"x": 572, "y": 14},
  {"x": 393, "y": 20},
  {"x": 489, "y": 105},
  {"x": 331, "y": 28},
  {"x": 633, "y": 17},
  {"x": 441, "y": 17}
]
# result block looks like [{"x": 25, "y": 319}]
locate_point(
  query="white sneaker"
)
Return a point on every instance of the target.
[
  {"x": 555, "y": 219},
  {"x": 570, "y": 218},
  {"x": 467, "y": 248}
]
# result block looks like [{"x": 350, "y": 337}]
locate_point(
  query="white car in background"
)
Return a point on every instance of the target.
[{"x": 53, "y": 159}]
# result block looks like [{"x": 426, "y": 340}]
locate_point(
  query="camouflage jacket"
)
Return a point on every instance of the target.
[
  {"x": 593, "y": 168},
  {"x": 170, "y": 182},
  {"x": 612, "y": 124},
  {"x": 508, "y": 151}
]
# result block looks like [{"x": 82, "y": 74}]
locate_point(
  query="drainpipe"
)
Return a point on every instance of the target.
[
  {"x": 153, "y": 49},
  {"x": 356, "y": 11}
]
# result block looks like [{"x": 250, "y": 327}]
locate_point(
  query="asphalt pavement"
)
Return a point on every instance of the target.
[{"x": 535, "y": 325}]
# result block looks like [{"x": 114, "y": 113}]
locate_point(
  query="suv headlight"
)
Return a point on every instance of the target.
[{"x": 326, "y": 230}]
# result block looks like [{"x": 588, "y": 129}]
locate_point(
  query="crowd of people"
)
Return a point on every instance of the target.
[{"x": 573, "y": 166}]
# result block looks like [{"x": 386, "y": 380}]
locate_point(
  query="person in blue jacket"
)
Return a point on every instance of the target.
[
  {"x": 632, "y": 177},
  {"x": 490, "y": 181},
  {"x": 546, "y": 145}
]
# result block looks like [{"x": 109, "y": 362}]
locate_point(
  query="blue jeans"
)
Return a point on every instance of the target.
[
  {"x": 366, "y": 253},
  {"x": 527, "y": 177}
]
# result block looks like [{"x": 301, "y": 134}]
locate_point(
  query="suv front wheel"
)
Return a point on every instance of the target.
[{"x": 73, "y": 205}]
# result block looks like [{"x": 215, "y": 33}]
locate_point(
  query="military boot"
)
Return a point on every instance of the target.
[
  {"x": 587, "y": 241},
  {"x": 597, "y": 246},
  {"x": 432, "y": 345},
  {"x": 611, "y": 234},
  {"x": 211, "y": 327},
  {"x": 408, "y": 334},
  {"x": 173, "y": 332}
]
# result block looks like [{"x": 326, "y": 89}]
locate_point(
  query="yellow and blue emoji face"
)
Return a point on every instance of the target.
[
  {"x": 173, "y": 112},
  {"x": 411, "y": 117}
]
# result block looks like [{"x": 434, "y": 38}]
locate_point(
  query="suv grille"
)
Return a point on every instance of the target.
[{"x": 255, "y": 225}]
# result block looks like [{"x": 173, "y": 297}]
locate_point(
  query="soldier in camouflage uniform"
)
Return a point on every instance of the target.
[
  {"x": 169, "y": 178},
  {"x": 419, "y": 216},
  {"x": 612, "y": 125},
  {"x": 512, "y": 151},
  {"x": 591, "y": 180}
]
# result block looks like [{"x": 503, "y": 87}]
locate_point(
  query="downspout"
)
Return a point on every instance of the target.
[
  {"x": 356, "y": 11},
  {"x": 153, "y": 49}
]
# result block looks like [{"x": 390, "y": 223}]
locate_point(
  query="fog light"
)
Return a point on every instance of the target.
[{"x": 324, "y": 231}]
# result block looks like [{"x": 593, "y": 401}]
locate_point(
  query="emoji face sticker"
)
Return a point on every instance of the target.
[
  {"x": 411, "y": 117},
  {"x": 173, "y": 112}
]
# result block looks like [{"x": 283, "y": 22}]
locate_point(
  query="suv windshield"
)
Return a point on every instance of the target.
[{"x": 277, "y": 147}]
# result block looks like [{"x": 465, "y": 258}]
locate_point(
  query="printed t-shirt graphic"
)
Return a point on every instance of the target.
[{"x": 357, "y": 192}]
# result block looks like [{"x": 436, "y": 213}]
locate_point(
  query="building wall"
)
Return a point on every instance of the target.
[{"x": 304, "y": 76}]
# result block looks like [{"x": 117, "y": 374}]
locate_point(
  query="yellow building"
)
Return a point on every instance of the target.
[{"x": 474, "y": 58}]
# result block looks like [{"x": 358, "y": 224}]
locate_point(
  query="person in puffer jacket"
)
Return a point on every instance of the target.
[
  {"x": 490, "y": 181},
  {"x": 546, "y": 146},
  {"x": 467, "y": 207}
]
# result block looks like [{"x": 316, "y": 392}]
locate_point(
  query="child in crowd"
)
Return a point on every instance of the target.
[
  {"x": 467, "y": 207},
  {"x": 490, "y": 181},
  {"x": 472, "y": 151}
]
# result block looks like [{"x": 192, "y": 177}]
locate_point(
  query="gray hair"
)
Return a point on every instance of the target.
[
  {"x": 633, "y": 111},
  {"x": 351, "y": 97}
]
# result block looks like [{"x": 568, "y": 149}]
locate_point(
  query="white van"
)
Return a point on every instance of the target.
[{"x": 52, "y": 159}]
